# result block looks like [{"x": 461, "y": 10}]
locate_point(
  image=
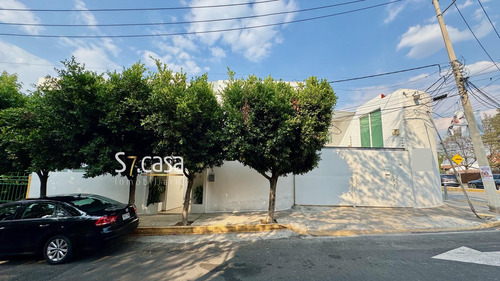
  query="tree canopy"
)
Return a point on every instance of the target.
[
  {"x": 122, "y": 109},
  {"x": 491, "y": 139},
  {"x": 188, "y": 122},
  {"x": 48, "y": 133},
  {"x": 10, "y": 91},
  {"x": 275, "y": 128},
  {"x": 11, "y": 99}
]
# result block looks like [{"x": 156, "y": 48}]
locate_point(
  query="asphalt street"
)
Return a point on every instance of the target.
[{"x": 390, "y": 257}]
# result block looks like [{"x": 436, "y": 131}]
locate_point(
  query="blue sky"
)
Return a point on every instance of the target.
[{"x": 391, "y": 37}]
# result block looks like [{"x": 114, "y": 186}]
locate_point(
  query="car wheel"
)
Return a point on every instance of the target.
[
  {"x": 58, "y": 249},
  {"x": 471, "y": 185}
]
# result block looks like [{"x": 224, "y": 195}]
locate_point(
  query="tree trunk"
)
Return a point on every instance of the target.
[
  {"x": 131, "y": 192},
  {"x": 187, "y": 200},
  {"x": 43, "y": 176},
  {"x": 273, "y": 182}
]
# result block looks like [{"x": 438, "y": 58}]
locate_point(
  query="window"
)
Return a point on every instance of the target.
[
  {"x": 371, "y": 130},
  {"x": 39, "y": 210},
  {"x": 7, "y": 212},
  {"x": 93, "y": 204},
  {"x": 61, "y": 213}
]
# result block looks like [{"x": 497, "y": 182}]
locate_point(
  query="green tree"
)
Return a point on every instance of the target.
[
  {"x": 28, "y": 142},
  {"x": 275, "y": 128},
  {"x": 441, "y": 158},
  {"x": 462, "y": 146},
  {"x": 491, "y": 138},
  {"x": 188, "y": 121},
  {"x": 68, "y": 115},
  {"x": 10, "y": 97},
  {"x": 122, "y": 110},
  {"x": 10, "y": 91}
]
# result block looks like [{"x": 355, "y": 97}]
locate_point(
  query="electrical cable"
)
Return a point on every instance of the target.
[
  {"x": 484, "y": 10},
  {"x": 135, "y": 9},
  {"x": 442, "y": 13},
  {"x": 494, "y": 102},
  {"x": 386, "y": 73},
  {"x": 181, "y": 22},
  {"x": 201, "y": 32},
  {"x": 479, "y": 42}
]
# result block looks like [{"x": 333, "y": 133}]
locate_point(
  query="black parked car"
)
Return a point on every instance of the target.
[
  {"x": 479, "y": 183},
  {"x": 56, "y": 225},
  {"x": 449, "y": 180}
]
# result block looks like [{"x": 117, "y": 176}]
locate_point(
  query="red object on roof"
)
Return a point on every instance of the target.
[{"x": 382, "y": 96}]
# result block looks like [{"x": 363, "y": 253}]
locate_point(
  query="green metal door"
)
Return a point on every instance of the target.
[{"x": 376, "y": 126}]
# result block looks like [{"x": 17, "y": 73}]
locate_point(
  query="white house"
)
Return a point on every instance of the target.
[{"x": 382, "y": 155}]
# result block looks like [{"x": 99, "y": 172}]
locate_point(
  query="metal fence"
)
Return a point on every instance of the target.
[{"x": 14, "y": 187}]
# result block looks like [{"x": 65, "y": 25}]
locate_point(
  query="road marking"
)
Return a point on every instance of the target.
[
  {"x": 464, "y": 254},
  {"x": 474, "y": 202}
]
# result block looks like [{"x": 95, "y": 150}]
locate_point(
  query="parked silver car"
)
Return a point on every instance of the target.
[{"x": 449, "y": 180}]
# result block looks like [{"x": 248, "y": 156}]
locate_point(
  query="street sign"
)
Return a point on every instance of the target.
[{"x": 457, "y": 159}]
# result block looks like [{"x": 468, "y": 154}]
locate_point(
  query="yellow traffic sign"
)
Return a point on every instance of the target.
[{"x": 457, "y": 159}]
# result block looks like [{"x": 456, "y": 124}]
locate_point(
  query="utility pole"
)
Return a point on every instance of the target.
[{"x": 484, "y": 166}]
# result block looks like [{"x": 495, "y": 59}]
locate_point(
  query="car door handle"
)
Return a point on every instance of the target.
[
  {"x": 44, "y": 225},
  {"x": 2, "y": 228}
]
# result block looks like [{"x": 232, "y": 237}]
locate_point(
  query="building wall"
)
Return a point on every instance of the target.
[
  {"x": 406, "y": 177},
  {"x": 116, "y": 188},
  {"x": 372, "y": 177},
  {"x": 402, "y": 174},
  {"x": 240, "y": 188},
  {"x": 394, "y": 109}
]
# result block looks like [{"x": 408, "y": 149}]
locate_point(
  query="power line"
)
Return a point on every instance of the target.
[
  {"x": 387, "y": 110},
  {"x": 182, "y": 22},
  {"x": 442, "y": 13},
  {"x": 386, "y": 73},
  {"x": 468, "y": 26},
  {"x": 484, "y": 10},
  {"x": 494, "y": 102},
  {"x": 382, "y": 100},
  {"x": 391, "y": 86},
  {"x": 135, "y": 9},
  {"x": 201, "y": 32}
]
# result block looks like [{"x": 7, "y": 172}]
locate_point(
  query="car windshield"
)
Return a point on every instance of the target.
[{"x": 92, "y": 204}]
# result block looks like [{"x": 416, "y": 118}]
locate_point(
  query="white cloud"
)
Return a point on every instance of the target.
[
  {"x": 28, "y": 66},
  {"x": 424, "y": 40},
  {"x": 19, "y": 17},
  {"x": 489, "y": 112},
  {"x": 255, "y": 44},
  {"x": 393, "y": 10},
  {"x": 187, "y": 65},
  {"x": 94, "y": 57},
  {"x": 176, "y": 53},
  {"x": 96, "y": 54},
  {"x": 466, "y": 4},
  {"x": 108, "y": 44},
  {"x": 85, "y": 17},
  {"x": 217, "y": 52},
  {"x": 481, "y": 67}
]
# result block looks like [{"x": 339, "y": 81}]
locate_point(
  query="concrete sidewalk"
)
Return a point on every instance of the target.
[{"x": 325, "y": 221}]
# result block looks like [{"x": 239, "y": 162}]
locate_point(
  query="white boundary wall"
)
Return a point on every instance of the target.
[
  {"x": 372, "y": 177},
  {"x": 117, "y": 188},
  {"x": 240, "y": 188}
]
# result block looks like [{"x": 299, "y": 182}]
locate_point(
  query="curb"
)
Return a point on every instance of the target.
[
  {"x": 467, "y": 189},
  {"x": 359, "y": 232},
  {"x": 244, "y": 228},
  {"x": 213, "y": 229}
]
